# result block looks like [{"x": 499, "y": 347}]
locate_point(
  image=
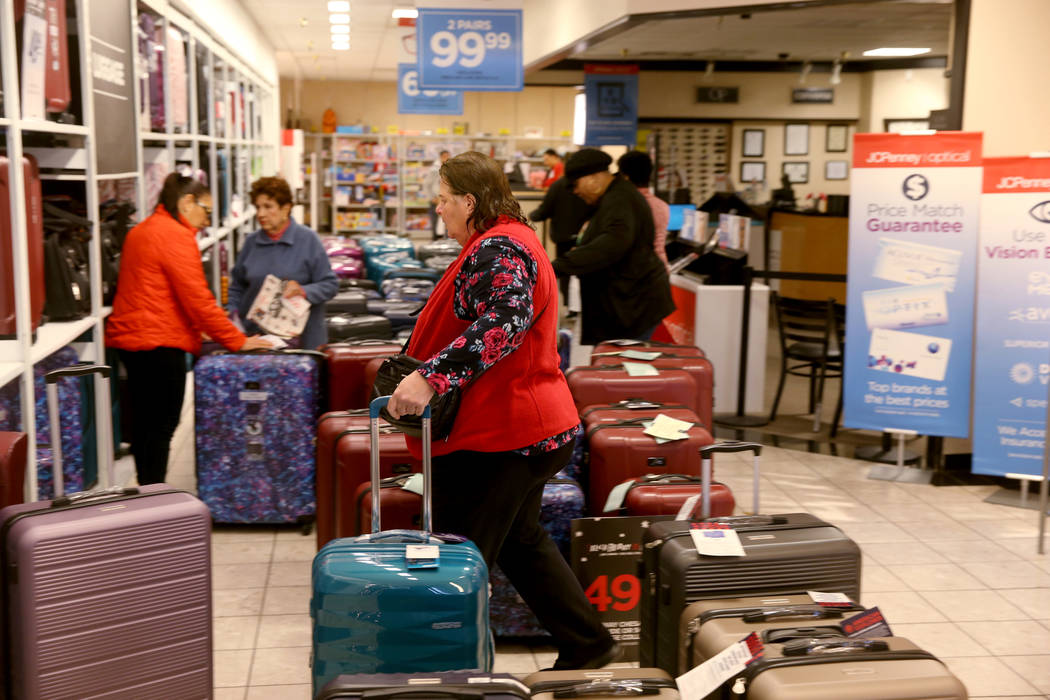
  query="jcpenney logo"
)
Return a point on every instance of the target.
[
  {"x": 1017, "y": 182},
  {"x": 917, "y": 158}
]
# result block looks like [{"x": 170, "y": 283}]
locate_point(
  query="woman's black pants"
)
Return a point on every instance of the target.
[{"x": 156, "y": 384}]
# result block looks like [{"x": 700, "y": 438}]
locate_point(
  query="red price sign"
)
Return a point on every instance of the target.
[{"x": 621, "y": 595}]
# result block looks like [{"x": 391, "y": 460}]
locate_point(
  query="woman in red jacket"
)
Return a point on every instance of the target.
[
  {"x": 162, "y": 306},
  {"x": 490, "y": 328}
]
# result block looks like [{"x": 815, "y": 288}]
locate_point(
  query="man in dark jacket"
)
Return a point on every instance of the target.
[
  {"x": 624, "y": 288},
  {"x": 567, "y": 213}
]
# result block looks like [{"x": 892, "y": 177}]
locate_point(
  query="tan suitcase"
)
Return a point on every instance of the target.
[
  {"x": 709, "y": 626},
  {"x": 901, "y": 671},
  {"x": 602, "y": 683}
]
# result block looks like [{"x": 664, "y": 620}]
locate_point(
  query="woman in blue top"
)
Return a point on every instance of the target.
[{"x": 288, "y": 250}]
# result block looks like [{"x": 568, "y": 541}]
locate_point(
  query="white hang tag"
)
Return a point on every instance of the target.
[
  {"x": 637, "y": 369},
  {"x": 639, "y": 355},
  {"x": 717, "y": 543},
  {"x": 668, "y": 428},
  {"x": 830, "y": 599},
  {"x": 414, "y": 484},
  {"x": 616, "y": 496},
  {"x": 422, "y": 556},
  {"x": 687, "y": 508},
  {"x": 659, "y": 441},
  {"x": 709, "y": 676}
]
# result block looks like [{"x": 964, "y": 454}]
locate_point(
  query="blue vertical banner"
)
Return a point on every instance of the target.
[
  {"x": 913, "y": 224},
  {"x": 1013, "y": 314},
  {"x": 412, "y": 99},
  {"x": 469, "y": 49},
  {"x": 612, "y": 104}
]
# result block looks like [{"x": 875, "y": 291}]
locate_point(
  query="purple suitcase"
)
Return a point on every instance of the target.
[{"x": 106, "y": 593}]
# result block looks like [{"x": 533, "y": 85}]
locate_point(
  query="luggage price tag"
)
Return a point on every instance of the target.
[
  {"x": 639, "y": 355},
  {"x": 830, "y": 599},
  {"x": 717, "y": 542},
  {"x": 414, "y": 484},
  {"x": 710, "y": 675},
  {"x": 421, "y": 556},
  {"x": 686, "y": 511},
  {"x": 616, "y": 496},
  {"x": 637, "y": 369},
  {"x": 867, "y": 624},
  {"x": 666, "y": 428}
]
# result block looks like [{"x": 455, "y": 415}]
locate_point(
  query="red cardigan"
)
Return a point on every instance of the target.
[
  {"x": 162, "y": 297},
  {"x": 523, "y": 398}
]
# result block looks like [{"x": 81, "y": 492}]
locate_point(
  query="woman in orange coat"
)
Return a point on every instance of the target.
[{"x": 162, "y": 306}]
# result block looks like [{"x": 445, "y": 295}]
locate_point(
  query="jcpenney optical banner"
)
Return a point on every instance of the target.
[
  {"x": 1013, "y": 315},
  {"x": 909, "y": 310},
  {"x": 612, "y": 104}
]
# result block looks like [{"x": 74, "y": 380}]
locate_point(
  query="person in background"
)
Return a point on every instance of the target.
[
  {"x": 567, "y": 213},
  {"x": 555, "y": 167},
  {"x": 490, "y": 328},
  {"x": 161, "y": 308},
  {"x": 431, "y": 183},
  {"x": 288, "y": 250},
  {"x": 624, "y": 288},
  {"x": 637, "y": 167}
]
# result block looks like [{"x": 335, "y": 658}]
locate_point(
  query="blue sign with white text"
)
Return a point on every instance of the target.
[
  {"x": 469, "y": 49},
  {"x": 612, "y": 104},
  {"x": 411, "y": 99}
]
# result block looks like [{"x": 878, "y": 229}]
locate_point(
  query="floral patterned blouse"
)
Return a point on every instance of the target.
[{"x": 493, "y": 290}]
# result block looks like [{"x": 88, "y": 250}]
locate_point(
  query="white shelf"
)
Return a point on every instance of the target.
[
  {"x": 5, "y": 122},
  {"x": 9, "y": 371},
  {"x": 52, "y": 336},
  {"x": 55, "y": 128}
]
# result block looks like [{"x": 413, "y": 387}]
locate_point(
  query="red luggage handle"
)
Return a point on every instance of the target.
[
  {"x": 103, "y": 425},
  {"x": 705, "y": 471},
  {"x": 374, "y": 407}
]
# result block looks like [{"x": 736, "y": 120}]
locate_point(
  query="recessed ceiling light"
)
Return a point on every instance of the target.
[
  {"x": 338, "y": 6},
  {"x": 340, "y": 47},
  {"x": 404, "y": 13},
  {"x": 340, "y": 29},
  {"x": 339, "y": 19},
  {"x": 890, "y": 51}
]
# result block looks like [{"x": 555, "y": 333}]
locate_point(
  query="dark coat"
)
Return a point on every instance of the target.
[
  {"x": 567, "y": 212},
  {"x": 624, "y": 287}
]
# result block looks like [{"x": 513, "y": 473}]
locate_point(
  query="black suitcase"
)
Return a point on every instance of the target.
[
  {"x": 350, "y": 301},
  {"x": 444, "y": 247},
  {"x": 365, "y": 327},
  {"x": 785, "y": 554},
  {"x": 402, "y": 314}
]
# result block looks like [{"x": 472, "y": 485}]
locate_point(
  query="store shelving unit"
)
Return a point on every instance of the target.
[{"x": 67, "y": 157}]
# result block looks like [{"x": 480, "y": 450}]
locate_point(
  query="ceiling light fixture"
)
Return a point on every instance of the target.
[
  {"x": 709, "y": 71},
  {"x": 340, "y": 29},
  {"x": 804, "y": 73},
  {"x": 836, "y": 72},
  {"x": 338, "y": 5},
  {"x": 340, "y": 47},
  {"x": 405, "y": 13},
  {"x": 890, "y": 51},
  {"x": 339, "y": 19}
]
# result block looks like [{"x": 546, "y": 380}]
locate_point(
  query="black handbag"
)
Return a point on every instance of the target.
[{"x": 443, "y": 407}]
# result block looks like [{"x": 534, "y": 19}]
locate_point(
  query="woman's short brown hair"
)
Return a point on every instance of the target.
[
  {"x": 476, "y": 174},
  {"x": 276, "y": 188}
]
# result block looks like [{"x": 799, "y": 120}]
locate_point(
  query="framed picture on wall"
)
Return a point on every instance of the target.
[
  {"x": 896, "y": 126},
  {"x": 796, "y": 139},
  {"x": 754, "y": 143},
  {"x": 752, "y": 171},
  {"x": 836, "y": 138},
  {"x": 797, "y": 171},
  {"x": 836, "y": 169}
]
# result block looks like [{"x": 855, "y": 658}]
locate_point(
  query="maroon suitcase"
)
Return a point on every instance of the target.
[
  {"x": 106, "y": 593},
  {"x": 399, "y": 509},
  {"x": 622, "y": 451},
  {"x": 665, "y": 494},
  {"x": 697, "y": 365},
  {"x": 35, "y": 242},
  {"x": 347, "y": 388},
  {"x": 605, "y": 385},
  {"x": 632, "y": 409},
  {"x": 329, "y": 427},
  {"x": 13, "y": 448}
]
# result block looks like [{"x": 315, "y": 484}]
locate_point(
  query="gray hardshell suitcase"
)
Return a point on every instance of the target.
[
  {"x": 106, "y": 593},
  {"x": 785, "y": 554},
  {"x": 708, "y": 627},
  {"x": 888, "y": 668},
  {"x": 602, "y": 684}
]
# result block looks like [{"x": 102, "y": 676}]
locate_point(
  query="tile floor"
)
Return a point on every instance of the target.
[{"x": 958, "y": 576}]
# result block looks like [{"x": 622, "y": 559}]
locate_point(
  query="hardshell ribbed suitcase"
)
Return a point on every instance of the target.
[
  {"x": 708, "y": 627},
  {"x": 350, "y": 301},
  {"x": 347, "y": 388},
  {"x": 605, "y": 385},
  {"x": 699, "y": 367},
  {"x": 449, "y": 684},
  {"x": 376, "y": 611},
  {"x": 890, "y": 668},
  {"x": 255, "y": 418},
  {"x": 602, "y": 684},
  {"x": 330, "y": 427},
  {"x": 33, "y": 212},
  {"x": 785, "y": 554},
  {"x": 401, "y": 509},
  {"x": 342, "y": 328},
  {"x": 106, "y": 593}
]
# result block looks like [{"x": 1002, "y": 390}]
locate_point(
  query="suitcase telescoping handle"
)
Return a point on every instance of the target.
[
  {"x": 373, "y": 413},
  {"x": 705, "y": 471},
  {"x": 103, "y": 421}
]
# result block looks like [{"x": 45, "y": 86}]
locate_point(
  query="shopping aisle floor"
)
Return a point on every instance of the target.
[{"x": 958, "y": 576}]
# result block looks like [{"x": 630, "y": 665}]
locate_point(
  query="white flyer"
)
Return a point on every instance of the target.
[
  {"x": 710, "y": 675},
  {"x": 275, "y": 314},
  {"x": 717, "y": 543},
  {"x": 909, "y": 354},
  {"x": 908, "y": 262},
  {"x": 906, "y": 307}
]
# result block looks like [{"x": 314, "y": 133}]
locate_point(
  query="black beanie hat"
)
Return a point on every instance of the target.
[{"x": 586, "y": 161}]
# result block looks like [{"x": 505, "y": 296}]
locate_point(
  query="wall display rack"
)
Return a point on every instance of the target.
[
  {"x": 229, "y": 117},
  {"x": 375, "y": 183},
  {"x": 689, "y": 155}
]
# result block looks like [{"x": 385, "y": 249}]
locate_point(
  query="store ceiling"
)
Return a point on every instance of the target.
[{"x": 299, "y": 31}]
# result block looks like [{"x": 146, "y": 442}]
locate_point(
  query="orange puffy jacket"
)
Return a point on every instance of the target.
[{"x": 162, "y": 297}]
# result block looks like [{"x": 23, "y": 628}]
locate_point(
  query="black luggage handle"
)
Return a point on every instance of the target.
[
  {"x": 705, "y": 471},
  {"x": 81, "y": 369},
  {"x": 805, "y": 611},
  {"x": 73, "y": 498},
  {"x": 730, "y": 446},
  {"x": 422, "y": 691},
  {"x": 103, "y": 424},
  {"x": 782, "y": 635},
  {"x": 623, "y": 687},
  {"x": 815, "y": 645},
  {"x": 666, "y": 479}
]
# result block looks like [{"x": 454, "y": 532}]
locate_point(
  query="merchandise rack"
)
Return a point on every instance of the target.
[{"x": 250, "y": 154}]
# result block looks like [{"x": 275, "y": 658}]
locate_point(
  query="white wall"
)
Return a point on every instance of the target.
[{"x": 903, "y": 94}]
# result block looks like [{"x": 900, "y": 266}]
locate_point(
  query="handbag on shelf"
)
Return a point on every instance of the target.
[{"x": 443, "y": 407}]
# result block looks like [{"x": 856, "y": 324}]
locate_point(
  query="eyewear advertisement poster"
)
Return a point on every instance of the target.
[
  {"x": 1013, "y": 315},
  {"x": 612, "y": 104},
  {"x": 469, "y": 49},
  {"x": 909, "y": 310},
  {"x": 411, "y": 99}
]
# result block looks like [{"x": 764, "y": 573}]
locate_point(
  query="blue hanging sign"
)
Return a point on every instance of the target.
[
  {"x": 612, "y": 104},
  {"x": 411, "y": 99},
  {"x": 1013, "y": 313},
  {"x": 469, "y": 49},
  {"x": 909, "y": 307}
]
